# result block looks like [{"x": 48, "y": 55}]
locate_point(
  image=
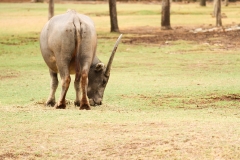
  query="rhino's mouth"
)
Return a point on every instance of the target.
[{"x": 94, "y": 103}]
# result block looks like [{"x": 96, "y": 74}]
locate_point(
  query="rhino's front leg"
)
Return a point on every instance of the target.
[{"x": 53, "y": 85}]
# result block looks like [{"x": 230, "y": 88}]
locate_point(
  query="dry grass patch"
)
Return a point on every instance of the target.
[{"x": 38, "y": 132}]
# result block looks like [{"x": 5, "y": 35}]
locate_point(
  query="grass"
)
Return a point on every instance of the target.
[
  {"x": 176, "y": 101},
  {"x": 107, "y": 134}
]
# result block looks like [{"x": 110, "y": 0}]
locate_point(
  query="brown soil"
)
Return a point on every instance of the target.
[
  {"x": 153, "y": 35},
  {"x": 8, "y": 74},
  {"x": 15, "y": 1}
]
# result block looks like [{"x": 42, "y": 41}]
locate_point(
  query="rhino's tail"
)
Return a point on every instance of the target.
[{"x": 77, "y": 24}]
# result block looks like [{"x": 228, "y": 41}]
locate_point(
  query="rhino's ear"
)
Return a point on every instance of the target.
[{"x": 99, "y": 67}]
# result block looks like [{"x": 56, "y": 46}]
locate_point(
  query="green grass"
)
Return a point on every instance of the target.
[{"x": 176, "y": 101}]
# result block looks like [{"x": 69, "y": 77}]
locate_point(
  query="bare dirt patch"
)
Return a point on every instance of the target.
[
  {"x": 181, "y": 101},
  {"x": 229, "y": 97},
  {"x": 154, "y": 35},
  {"x": 9, "y": 74}
]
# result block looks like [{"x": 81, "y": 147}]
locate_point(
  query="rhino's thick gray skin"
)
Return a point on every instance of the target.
[{"x": 68, "y": 44}]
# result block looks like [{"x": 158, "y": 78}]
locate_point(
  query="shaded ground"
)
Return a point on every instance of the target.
[{"x": 153, "y": 35}]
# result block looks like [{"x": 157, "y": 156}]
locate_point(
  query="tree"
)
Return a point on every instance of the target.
[
  {"x": 113, "y": 16},
  {"x": 214, "y": 8},
  {"x": 226, "y": 2},
  {"x": 218, "y": 13},
  {"x": 165, "y": 22},
  {"x": 202, "y": 2},
  {"x": 35, "y": 1},
  {"x": 51, "y": 9}
]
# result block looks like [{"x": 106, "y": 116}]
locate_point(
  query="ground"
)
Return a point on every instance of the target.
[
  {"x": 114, "y": 131},
  {"x": 153, "y": 35}
]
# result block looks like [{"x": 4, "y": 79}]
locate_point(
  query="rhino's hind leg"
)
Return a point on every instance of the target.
[
  {"x": 84, "y": 104},
  {"x": 65, "y": 85},
  {"x": 53, "y": 85},
  {"x": 61, "y": 104},
  {"x": 66, "y": 79}
]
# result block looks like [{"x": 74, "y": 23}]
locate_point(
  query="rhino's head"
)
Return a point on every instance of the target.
[{"x": 98, "y": 78}]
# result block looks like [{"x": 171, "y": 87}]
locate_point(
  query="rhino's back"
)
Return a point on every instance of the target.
[{"x": 58, "y": 38}]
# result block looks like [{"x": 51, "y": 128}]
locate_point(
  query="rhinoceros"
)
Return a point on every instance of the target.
[{"x": 68, "y": 44}]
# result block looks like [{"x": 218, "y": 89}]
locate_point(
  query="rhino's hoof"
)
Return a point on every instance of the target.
[
  {"x": 77, "y": 103},
  {"x": 61, "y": 106},
  {"x": 50, "y": 103},
  {"x": 85, "y": 106}
]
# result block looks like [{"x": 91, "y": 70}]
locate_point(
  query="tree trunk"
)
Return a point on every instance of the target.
[
  {"x": 35, "y": 1},
  {"x": 226, "y": 2},
  {"x": 202, "y": 2},
  {"x": 51, "y": 9},
  {"x": 218, "y": 15},
  {"x": 113, "y": 16},
  {"x": 165, "y": 22},
  {"x": 215, "y": 8}
]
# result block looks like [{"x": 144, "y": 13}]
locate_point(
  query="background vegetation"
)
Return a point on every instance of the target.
[{"x": 174, "y": 101}]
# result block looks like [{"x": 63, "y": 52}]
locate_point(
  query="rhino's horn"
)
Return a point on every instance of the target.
[{"x": 107, "y": 72}]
